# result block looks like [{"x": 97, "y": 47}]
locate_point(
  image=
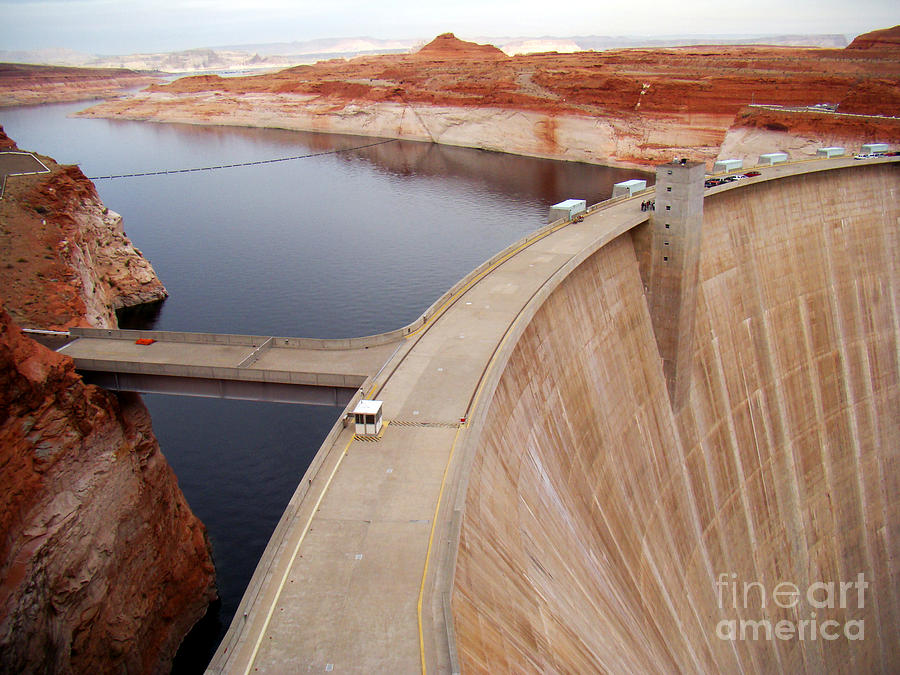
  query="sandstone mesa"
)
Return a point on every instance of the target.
[
  {"x": 22, "y": 84},
  {"x": 632, "y": 107}
]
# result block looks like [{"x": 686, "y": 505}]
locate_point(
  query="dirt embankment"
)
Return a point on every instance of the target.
[
  {"x": 23, "y": 84},
  {"x": 65, "y": 259},
  {"x": 630, "y": 106}
]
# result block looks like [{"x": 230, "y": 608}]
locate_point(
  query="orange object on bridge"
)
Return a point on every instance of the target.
[{"x": 144, "y": 341}]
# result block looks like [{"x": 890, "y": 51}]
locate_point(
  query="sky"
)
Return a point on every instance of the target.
[{"x": 130, "y": 26}]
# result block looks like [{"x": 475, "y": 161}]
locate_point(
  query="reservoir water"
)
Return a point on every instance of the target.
[{"x": 335, "y": 245}]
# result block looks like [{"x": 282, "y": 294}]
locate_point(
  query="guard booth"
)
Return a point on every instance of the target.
[
  {"x": 566, "y": 210},
  {"x": 367, "y": 416},
  {"x": 629, "y": 187}
]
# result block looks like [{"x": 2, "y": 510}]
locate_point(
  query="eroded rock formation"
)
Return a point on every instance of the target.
[
  {"x": 800, "y": 133},
  {"x": 104, "y": 567},
  {"x": 64, "y": 257},
  {"x": 22, "y": 84},
  {"x": 629, "y": 106}
]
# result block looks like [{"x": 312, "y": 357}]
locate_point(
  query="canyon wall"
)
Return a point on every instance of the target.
[
  {"x": 800, "y": 133},
  {"x": 604, "y": 533},
  {"x": 581, "y": 138},
  {"x": 634, "y": 107},
  {"x": 104, "y": 568},
  {"x": 65, "y": 259}
]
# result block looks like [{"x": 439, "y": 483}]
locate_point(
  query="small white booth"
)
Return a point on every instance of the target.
[
  {"x": 367, "y": 416},
  {"x": 566, "y": 210},
  {"x": 834, "y": 151},
  {"x": 771, "y": 158},
  {"x": 874, "y": 148},
  {"x": 728, "y": 165},
  {"x": 629, "y": 187}
]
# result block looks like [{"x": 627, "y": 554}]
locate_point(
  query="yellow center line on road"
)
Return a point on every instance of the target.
[
  {"x": 290, "y": 564},
  {"x": 437, "y": 508}
]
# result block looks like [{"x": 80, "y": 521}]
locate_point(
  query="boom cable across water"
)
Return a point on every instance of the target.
[{"x": 232, "y": 166}]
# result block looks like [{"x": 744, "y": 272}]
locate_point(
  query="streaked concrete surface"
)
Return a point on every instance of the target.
[{"x": 597, "y": 522}]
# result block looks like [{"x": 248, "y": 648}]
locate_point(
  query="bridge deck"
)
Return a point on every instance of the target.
[{"x": 228, "y": 366}]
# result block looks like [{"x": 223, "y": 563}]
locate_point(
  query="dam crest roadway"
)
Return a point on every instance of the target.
[{"x": 358, "y": 575}]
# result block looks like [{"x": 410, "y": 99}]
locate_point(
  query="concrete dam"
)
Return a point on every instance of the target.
[
  {"x": 633, "y": 441},
  {"x": 604, "y": 529}
]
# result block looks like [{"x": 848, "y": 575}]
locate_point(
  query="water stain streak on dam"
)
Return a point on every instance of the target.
[{"x": 596, "y": 521}]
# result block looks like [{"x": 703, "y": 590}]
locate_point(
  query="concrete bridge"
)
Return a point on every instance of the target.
[
  {"x": 568, "y": 462},
  {"x": 285, "y": 370}
]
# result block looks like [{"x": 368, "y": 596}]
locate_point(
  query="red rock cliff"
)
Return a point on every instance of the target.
[
  {"x": 104, "y": 568},
  {"x": 65, "y": 259},
  {"x": 625, "y": 106}
]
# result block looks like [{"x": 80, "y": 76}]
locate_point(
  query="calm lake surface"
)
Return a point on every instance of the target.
[{"x": 335, "y": 245}]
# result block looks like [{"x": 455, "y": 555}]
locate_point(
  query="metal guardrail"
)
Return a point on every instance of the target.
[{"x": 21, "y": 173}]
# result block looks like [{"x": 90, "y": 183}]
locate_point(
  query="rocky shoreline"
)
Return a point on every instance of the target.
[{"x": 65, "y": 259}]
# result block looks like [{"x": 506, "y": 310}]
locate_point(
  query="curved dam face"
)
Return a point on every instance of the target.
[{"x": 756, "y": 529}]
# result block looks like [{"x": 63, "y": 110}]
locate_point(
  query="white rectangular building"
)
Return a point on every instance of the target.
[
  {"x": 367, "y": 415},
  {"x": 874, "y": 148},
  {"x": 566, "y": 210},
  {"x": 772, "y": 158},
  {"x": 728, "y": 165},
  {"x": 629, "y": 187},
  {"x": 834, "y": 151}
]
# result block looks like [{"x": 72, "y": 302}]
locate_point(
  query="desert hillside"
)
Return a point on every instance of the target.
[
  {"x": 628, "y": 106},
  {"x": 23, "y": 84}
]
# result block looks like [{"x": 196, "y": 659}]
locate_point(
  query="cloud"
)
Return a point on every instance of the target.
[{"x": 124, "y": 26}]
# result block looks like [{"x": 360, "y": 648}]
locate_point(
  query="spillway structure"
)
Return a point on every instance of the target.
[{"x": 635, "y": 442}]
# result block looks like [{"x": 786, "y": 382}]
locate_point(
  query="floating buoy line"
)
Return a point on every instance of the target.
[{"x": 234, "y": 166}]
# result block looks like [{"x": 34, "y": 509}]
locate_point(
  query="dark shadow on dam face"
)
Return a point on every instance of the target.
[{"x": 757, "y": 528}]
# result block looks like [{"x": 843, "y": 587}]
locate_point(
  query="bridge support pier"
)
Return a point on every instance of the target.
[{"x": 670, "y": 270}]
